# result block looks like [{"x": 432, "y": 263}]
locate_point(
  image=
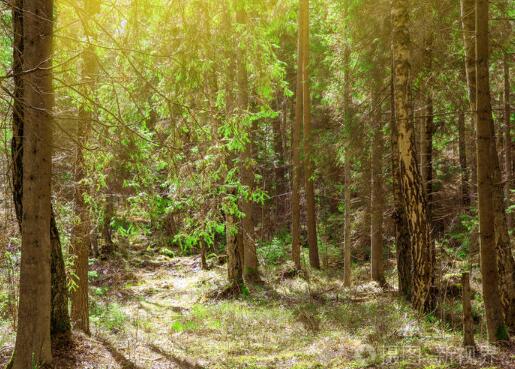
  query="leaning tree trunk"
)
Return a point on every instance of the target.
[
  {"x": 493, "y": 304},
  {"x": 60, "y": 321},
  {"x": 412, "y": 185},
  {"x": 32, "y": 346},
  {"x": 314, "y": 259}
]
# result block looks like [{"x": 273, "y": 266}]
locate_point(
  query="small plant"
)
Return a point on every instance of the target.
[{"x": 273, "y": 252}]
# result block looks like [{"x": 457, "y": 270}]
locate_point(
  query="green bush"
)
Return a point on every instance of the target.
[{"x": 273, "y": 252}]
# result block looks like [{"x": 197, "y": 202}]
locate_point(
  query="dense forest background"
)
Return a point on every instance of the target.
[{"x": 256, "y": 183}]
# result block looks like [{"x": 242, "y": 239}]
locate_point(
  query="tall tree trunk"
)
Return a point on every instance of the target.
[
  {"x": 508, "y": 145},
  {"x": 280, "y": 165},
  {"x": 493, "y": 304},
  {"x": 412, "y": 185},
  {"x": 34, "y": 312},
  {"x": 402, "y": 241},
  {"x": 348, "y": 116},
  {"x": 426, "y": 137},
  {"x": 250, "y": 262},
  {"x": 465, "y": 196},
  {"x": 80, "y": 237},
  {"x": 60, "y": 321},
  {"x": 314, "y": 259},
  {"x": 504, "y": 257},
  {"x": 296, "y": 133},
  {"x": 377, "y": 198}
]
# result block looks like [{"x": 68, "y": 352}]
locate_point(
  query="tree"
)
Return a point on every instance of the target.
[
  {"x": 493, "y": 307},
  {"x": 296, "y": 133},
  {"x": 80, "y": 238},
  {"x": 377, "y": 198},
  {"x": 411, "y": 180},
  {"x": 314, "y": 259},
  {"x": 34, "y": 314},
  {"x": 60, "y": 321}
]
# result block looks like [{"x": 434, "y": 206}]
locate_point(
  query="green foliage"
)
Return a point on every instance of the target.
[
  {"x": 109, "y": 316},
  {"x": 275, "y": 251}
]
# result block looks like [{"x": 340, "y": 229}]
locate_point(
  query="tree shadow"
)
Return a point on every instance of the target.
[
  {"x": 182, "y": 363},
  {"x": 118, "y": 356}
]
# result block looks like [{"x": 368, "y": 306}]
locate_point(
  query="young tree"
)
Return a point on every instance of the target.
[
  {"x": 377, "y": 198},
  {"x": 32, "y": 346},
  {"x": 80, "y": 237},
  {"x": 412, "y": 185}
]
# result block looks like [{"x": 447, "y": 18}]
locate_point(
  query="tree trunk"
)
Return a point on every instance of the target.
[
  {"x": 493, "y": 306},
  {"x": 234, "y": 259},
  {"x": 279, "y": 166},
  {"x": 347, "y": 101},
  {"x": 468, "y": 323},
  {"x": 377, "y": 198},
  {"x": 314, "y": 259},
  {"x": 402, "y": 242},
  {"x": 250, "y": 262},
  {"x": 81, "y": 232},
  {"x": 465, "y": 196},
  {"x": 412, "y": 185},
  {"x": 60, "y": 321},
  {"x": 296, "y": 132},
  {"x": 508, "y": 145},
  {"x": 426, "y": 138},
  {"x": 34, "y": 313}
]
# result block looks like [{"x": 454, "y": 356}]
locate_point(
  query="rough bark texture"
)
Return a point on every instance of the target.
[
  {"x": 493, "y": 306},
  {"x": 60, "y": 321},
  {"x": 508, "y": 145},
  {"x": 412, "y": 185},
  {"x": 80, "y": 237},
  {"x": 402, "y": 242},
  {"x": 250, "y": 261},
  {"x": 465, "y": 196},
  {"x": 34, "y": 313},
  {"x": 314, "y": 259},
  {"x": 377, "y": 198},
  {"x": 234, "y": 266},
  {"x": 468, "y": 323},
  {"x": 347, "y": 230},
  {"x": 296, "y": 132}
]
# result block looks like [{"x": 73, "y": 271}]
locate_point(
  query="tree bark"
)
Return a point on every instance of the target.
[
  {"x": 296, "y": 133},
  {"x": 465, "y": 196},
  {"x": 468, "y": 323},
  {"x": 314, "y": 259},
  {"x": 377, "y": 198},
  {"x": 60, "y": 321},
  {"x": 402, "y": 242},
  {"x": 348, "y": 116},
  {"x": 493, "y": 305},
  {"x": 508, "y": 145},
  {"x": 412, "y": 185},
  {"x": 426, "y": 137},
  {"x": 81, "y": 231},
  {"x": 250, "y": 261},
  {"x": 34, "y": 313}
]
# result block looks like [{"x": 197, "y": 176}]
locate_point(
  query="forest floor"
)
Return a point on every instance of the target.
[{"x": 160, "y": 312}]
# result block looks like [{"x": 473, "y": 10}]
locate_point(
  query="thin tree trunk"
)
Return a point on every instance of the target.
[
  {"x": 279, "y": 167},
  {"x": 377, "y": 198},
  {"x": 81, "y": 232},
  {"x": 468, "y": 323},
  {"x": 296, "y": 132},
  {"x": 493, "y": 305},
  {"x": 34, "y": 312},
  {"x": 465, "y": 196},
  {"x": 347, "y": 101},
  {"x": 426, "y": 138},
  {"x": 508, "y": 158},
  {"x": 314, "y": 258},
  {"x": 250, "y": 262},
  {"x": 412, "y": 185}
]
